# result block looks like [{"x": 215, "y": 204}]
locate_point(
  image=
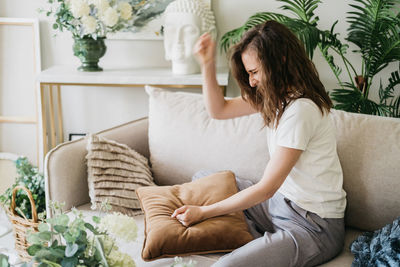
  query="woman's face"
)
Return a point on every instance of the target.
[{"x": 252, "y": 65}]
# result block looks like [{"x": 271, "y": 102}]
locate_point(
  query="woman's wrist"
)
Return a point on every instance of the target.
[
  {"x": 205, "y": 212},
  {"x": 208, "y": 65}
]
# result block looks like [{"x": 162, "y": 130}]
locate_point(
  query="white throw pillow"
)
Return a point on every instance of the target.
[{"x": 183, "y": 139}]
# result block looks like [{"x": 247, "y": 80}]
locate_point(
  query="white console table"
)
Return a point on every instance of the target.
[{"x": 53, "y": 78}]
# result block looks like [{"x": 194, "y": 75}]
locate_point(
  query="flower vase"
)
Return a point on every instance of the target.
[{"x": 89, "y": 51}]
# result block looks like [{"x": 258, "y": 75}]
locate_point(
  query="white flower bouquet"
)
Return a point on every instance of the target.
[{"x": 92, "y": 18}]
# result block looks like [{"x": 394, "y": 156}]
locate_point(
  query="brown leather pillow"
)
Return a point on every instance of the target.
[{"x": 167, "y": 237}]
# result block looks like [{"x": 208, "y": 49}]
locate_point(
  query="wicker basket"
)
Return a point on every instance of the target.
[{"x": 22, "y": 225}]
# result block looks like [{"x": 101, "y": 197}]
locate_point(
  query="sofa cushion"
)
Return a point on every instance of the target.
[
  {"x": 345, "y": 258},
  {"x": 115, "y": 171},
  {"x": 166, "y": 236},
  {"x": 183, "y": 139},
  {"x": 369, "y": 149}
]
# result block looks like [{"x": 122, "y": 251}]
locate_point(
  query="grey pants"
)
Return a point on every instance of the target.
[{"x": 284, "y": 234}]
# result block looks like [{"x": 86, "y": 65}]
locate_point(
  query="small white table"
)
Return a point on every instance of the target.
[{"x": 53, "y": 78}]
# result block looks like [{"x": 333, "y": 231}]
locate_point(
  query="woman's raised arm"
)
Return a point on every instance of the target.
[{"x": 217, "y": 106}]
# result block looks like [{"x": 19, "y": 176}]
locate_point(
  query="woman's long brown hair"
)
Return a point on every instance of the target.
[{"x": 288, "y": 73}]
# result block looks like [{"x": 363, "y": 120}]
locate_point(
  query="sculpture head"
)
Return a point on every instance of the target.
[{"x": 185, "y": 21}]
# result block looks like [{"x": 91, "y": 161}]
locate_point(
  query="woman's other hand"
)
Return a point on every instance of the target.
[
  {"x": 188, "y": 215},
  {"x": 204, "y": 49}
]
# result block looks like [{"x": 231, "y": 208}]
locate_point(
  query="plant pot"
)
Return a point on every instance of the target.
[{"x": 89, "y": 51}]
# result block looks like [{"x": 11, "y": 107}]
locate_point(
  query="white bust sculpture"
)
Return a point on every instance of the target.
[{"x": 185, "y": 21}]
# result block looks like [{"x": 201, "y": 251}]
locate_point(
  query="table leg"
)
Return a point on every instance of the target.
[
  {"x": 52, "y": 135},
  {"x": 59, "y": 116},
  {"x": 44, "y": 122}
]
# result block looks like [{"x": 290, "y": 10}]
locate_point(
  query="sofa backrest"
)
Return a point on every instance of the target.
[
  {"x": 183, "y": 139},
  {"x": 369, "y": 152}
]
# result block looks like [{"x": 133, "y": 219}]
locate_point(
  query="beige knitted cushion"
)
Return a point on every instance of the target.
[{"x": 115, "y": 171}]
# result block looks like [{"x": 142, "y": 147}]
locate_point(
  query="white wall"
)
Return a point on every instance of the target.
[{"x": 94, "y": 109}]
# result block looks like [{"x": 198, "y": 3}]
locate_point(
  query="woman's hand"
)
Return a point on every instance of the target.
[
  {"x": 188, "y": 215},
  {"x": 204, "y": 49}
]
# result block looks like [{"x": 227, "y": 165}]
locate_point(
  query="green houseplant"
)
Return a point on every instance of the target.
[
  {"x": 374, "y": 29},
  {"x": 29, "y": 177}
]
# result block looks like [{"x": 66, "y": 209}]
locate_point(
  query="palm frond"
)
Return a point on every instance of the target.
[
  {"x": 307, "y": 33},
  {"x": 388, "y": 92},
  {"x": 387, "y": 51},
  {"x": 374, "y": 28},
  {"x": 234, "y": 36},
  {"x": 329, "y": 40},
  {"x": 396, "y": 107},
  {"x": 353, "y": 100},
  {"x": 302, "y": 9}
]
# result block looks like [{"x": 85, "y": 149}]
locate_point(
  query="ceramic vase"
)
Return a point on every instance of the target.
[{"x": 89, "y": 51}]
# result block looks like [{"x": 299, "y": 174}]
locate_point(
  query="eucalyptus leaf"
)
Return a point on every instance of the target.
[
  {"x": 45, "y": 236},
  {"x": 100, "y": 250},
  {"x": 90, "y": 227},
  {"x": 62, "y": 219},
  {"x": 33, "y": 239},
  {"x": 71, "y": 249},
  {"x": 60, "y": 228},
  {"x": 69, "y": 262},
  {"x": 69, "y": 238},
  {"x": 4, "y": 261},
  {"x": 32, "y": 250},
  {"x": 58, "y": 252},
  {"x": 43, "y": 227}
]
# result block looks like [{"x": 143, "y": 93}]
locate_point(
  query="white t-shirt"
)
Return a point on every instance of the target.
[{"x": 316, "y": 181}]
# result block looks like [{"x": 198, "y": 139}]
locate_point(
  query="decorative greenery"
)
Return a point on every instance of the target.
[
  {"x": 180, "y": 263},
  {"x": 4, "y": 261},
  {"x": 29, "y": 177},
  {"x": 92, "y": 18},
  {"x": 375, "y": 31},
  {"x": 62, "y": 241}
]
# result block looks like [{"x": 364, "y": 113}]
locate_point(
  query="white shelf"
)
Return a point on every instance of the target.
[{"x": 139, "y": 76}]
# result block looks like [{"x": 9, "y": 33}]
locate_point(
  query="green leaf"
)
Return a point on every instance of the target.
[
  {"x": 58, "y": 252},
  {"x": 32, "y": 250},
  {"x": 91, "y": 228},
  {"x": 69, "y": 262},
  {"x": 71, "y": 249},
  {"x": 62, "y": 220},
  {"x": 60, "y": 228},
  {"x": 100, "y": 251},
  {"x": 45, "y": 236},
  {"x": 34, "y": 239},
  {"x": 43, "y": 227},
  {"x": 4, "y": 261},
  {"x": 96, "y": 219}
]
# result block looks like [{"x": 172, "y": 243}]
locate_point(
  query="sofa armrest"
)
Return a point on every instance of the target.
[{"x": 65, "y": 165}]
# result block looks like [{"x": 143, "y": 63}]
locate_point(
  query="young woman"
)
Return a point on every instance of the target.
[{"x": 296, "y": 210}]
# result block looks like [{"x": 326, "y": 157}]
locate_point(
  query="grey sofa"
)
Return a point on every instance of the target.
[{"x": 369, "y": 152}]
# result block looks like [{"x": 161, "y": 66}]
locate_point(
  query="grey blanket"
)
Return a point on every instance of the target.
[{"x": 379, "y": 248}]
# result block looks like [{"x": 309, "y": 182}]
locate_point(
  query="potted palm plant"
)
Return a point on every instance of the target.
[{"x": 374, "y": 28}]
